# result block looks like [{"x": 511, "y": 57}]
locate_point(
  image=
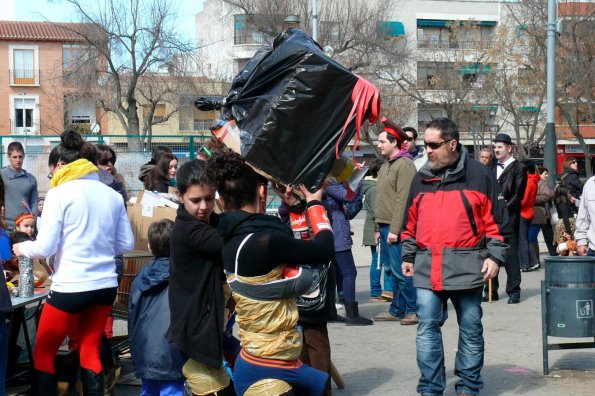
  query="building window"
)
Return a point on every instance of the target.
[
  {"x": 474, "y": 75},
  {"x": 329, "y": 32},
  {"x": 25, "y": 114},
  {"x": 24, "y": 65},
  {"x": 77, "y": 63},
  {"x": 192, "y": 120},
  {"x": 435, "y": 75},
  {"x": 427, "y": 113},
  {"x": 473, "y": 36},
  {"x": 159, "y": 113},
  {"x": 248, "y": 29},
  {"x": 433, "y": 33},
  {"x": 478, "y": 119}
]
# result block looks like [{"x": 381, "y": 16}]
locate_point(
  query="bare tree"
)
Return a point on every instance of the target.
[
  {"x": 446, "y": 73},
  {"x": 517, "y": 85},
  {"x": 575, "y": 72},
  {"x": 134, "y": 41},
  {"x": 351, "y": 27}
]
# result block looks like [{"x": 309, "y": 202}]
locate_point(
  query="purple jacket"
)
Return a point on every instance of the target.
[{"x": 336, "y": 198}]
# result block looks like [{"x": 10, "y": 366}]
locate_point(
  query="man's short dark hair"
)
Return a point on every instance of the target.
[
  {"x": 448, "y": 129},
  {"x": 412, "y": 130},
  {"x": 158, "y": 151},
  {"x": 159, "y": 236},
  {"x": 15, "y": 146}
]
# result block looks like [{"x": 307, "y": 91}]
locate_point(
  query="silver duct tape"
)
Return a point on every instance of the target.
[{"x": 26, "y": 278}]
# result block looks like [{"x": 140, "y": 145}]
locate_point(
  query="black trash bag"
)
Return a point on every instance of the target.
[{"x": 295, "y": 111}]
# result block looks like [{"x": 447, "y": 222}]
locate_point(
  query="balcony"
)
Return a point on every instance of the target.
[
  {"x": 451, "y": 43},
  {"x": 251, "y": 38},
  {"x": 428, "y": 43},
  {"x": 29, "y": 127},
  {"x": 24, "y": 77},
  {"x": 196, "y": 126}
]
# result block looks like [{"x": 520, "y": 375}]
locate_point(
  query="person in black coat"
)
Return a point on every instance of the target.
[
  {"x": 512, "y": 177},
  {"x": 196, "y": 297},
  {"x": 571, "y": 180},
  {"x": 156, "y": 362}
]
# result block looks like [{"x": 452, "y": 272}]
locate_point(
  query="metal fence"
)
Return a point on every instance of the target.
[{"x": 132, "y": 151}]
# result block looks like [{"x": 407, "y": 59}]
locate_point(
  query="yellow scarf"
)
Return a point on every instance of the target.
[{"x": 74, "y": 170}]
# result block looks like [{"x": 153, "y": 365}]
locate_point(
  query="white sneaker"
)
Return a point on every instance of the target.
[{"x": 339, "y": 306}]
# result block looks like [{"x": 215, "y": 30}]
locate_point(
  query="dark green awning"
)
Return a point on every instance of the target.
[
  {"x": 432, "y": 22},
  {"x": 391, "y": 28},
  {"x": 444, "y": 23},
  {"x": 475, "y": 69},
  {"x": 484, "y": 108},
  {"x": 528, "y": 109}
]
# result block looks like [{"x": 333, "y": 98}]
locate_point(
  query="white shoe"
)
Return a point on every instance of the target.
[{"x": 339, "y": 306}]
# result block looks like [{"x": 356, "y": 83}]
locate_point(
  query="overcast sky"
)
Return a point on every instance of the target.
[{"x": 59, "y": 11}]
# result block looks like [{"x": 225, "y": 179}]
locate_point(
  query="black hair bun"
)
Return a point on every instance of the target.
[
  {"x": 72, "y": 140},
  {"x": 225, "y": 165}
]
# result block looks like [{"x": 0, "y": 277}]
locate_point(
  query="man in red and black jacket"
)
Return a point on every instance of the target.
[{"x": 453, "y": 241}]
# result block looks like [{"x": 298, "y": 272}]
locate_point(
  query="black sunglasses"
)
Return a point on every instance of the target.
[{"x": 434, "y": 145}]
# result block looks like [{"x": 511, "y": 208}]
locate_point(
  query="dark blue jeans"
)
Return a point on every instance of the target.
[
  {"x": 346, "y": 264},
  {"x": 433, "y": 312},
  {"x": 304, "y": 380},
  {"x": 376, "y": 275},
  {"x": 403, "y": 290}
]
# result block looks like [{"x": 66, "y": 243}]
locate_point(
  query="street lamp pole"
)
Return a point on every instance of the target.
[
  {"x": 315, "y": 20},
  {"x": 551, "y": 151}
]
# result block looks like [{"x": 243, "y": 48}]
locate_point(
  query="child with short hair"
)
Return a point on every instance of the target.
[{"x": 156, "y": 362}]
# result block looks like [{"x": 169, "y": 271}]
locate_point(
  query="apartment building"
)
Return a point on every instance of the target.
[
  {"x": 454, "y": 53},
  {"x": 576, "y": 25},
  {"x": 40, "y": 82}
]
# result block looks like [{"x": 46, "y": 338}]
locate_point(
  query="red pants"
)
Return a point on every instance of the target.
[{"x": 54, "y": 326}]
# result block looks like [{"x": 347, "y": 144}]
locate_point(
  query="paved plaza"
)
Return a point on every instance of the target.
[{"x": 380, "y": 359}]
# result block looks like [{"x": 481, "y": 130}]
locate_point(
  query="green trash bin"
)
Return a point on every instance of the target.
[
  {"x": 570, "y": 288},
  {"x": 567, "y": 296}
]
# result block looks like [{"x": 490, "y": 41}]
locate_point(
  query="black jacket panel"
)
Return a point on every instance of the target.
[
  {"x": 195, "y": 288},
  {"x": 513, "y": 182}
]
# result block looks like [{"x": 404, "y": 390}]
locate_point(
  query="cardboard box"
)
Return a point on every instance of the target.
[{"x": 141, "y": 214}]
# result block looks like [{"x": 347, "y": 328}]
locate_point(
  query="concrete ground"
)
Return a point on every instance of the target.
[{"x": 380, "y": 359}]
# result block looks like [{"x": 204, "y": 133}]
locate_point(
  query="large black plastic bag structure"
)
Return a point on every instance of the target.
[{"x": 295, "y": 109}]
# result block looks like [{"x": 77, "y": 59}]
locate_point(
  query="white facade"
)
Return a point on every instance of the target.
[{"x": 215, "y": 37}]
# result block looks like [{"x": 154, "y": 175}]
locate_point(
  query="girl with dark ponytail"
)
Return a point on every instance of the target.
[
  {"x": 85, "y": 226},
  {"x": 259, "y": 254}
]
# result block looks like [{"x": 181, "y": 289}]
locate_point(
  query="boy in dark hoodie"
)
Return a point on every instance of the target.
[{"x": 156, "y": 362}]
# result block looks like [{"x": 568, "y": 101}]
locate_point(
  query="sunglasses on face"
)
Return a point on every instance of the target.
[{"x": 436, "y": 145}]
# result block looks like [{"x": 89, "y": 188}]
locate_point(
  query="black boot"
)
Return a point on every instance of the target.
[
  {"x": 353, "y": 318},
  {"x": 44, "y": 384},
  {"x": 92, "y": 383},
  {"x": 336, "y": 318}
]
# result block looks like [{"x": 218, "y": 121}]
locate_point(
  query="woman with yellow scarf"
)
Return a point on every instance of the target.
[{"x": 85, "y": 225}]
